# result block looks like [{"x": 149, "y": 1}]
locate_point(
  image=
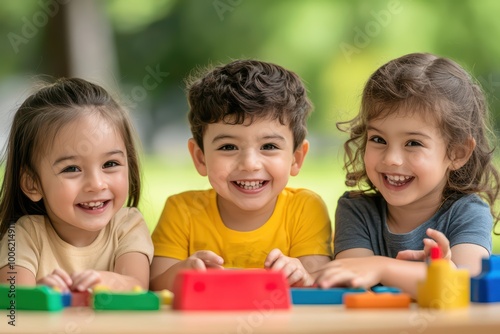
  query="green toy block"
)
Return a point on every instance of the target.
[
  {"x": 34, "y": 298},
  {"x": 134, "y": 301}
]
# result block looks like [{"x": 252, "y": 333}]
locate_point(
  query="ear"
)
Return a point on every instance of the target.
[
  {"x": 298, "y": 157},
  {"x": 198, "y": 157},
  {"x": 461, "y": 154},
  {"x": 30, "y": 188}
]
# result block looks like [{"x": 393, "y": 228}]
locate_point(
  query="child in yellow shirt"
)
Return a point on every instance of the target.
[{"x": 248, "y": 120}]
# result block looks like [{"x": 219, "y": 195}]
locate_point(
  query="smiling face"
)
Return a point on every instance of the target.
[
  {"x": 406, "y": 159},
  {"x": 84, "y": 179},
  {"x": 248, "y": 165}
]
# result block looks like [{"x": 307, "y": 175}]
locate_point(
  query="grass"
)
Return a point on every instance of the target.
[{"x": 163, "y": 178}]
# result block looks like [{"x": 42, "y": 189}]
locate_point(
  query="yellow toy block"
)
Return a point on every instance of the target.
[
  {"x": 166, "y": 297},
  {"x": 445, "y": 287}
]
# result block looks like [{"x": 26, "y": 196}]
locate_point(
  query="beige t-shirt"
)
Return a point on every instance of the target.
[{"x": 39, "y": 249}]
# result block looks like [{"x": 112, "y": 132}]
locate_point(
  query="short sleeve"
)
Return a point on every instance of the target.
[
  {"x": 470, "y": 221},
  {"x": 314, "y": 233},
  {"x": 133, "y": 234},
  {"x": 351, "y": 229},
  {"x": 171, "y": 234},
  {"x": 21, "y": 245}
]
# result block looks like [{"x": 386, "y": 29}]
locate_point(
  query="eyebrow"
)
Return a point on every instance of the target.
[
  {"x": 73, "y": 157},
  {"x": 224, "y": 137},
  {"x": 412, "y": 133}
]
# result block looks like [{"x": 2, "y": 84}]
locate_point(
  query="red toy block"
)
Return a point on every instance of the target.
[
  {"x": 80, "y": 298},
  {"x": 246, "y": 289},
  {"x": 377, "y": 300}
]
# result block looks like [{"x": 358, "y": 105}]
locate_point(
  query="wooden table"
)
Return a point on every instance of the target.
[{"x": 477, "y": 319}]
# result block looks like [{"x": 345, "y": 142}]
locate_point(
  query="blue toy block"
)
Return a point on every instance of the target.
[
  {"x": 319, "y": 296},
  {"x": 66, "y": 299},
  {"x": 485, "y": 287},
  {"x": 385, "y": 289}
]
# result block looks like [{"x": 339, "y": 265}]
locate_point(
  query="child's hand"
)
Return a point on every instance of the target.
[
  {"x": 438, "y": 239},
  {"x": 358, "y": 272},
  {"x": 202, "y": 260},
  {"x": 293, "y": 269},
  {"x": 57, "y": 279},
  {"x": 85, "y": 279}
]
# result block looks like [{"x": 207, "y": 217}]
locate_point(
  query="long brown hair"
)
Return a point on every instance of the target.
[
  {"x": 36, "y": 124},
  {"x": 441, "y": 89}
]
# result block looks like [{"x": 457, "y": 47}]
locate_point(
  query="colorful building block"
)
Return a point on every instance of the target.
[
  {"x": 377, "y": 300},
  {"x": 245, "y": 289},
  {"x": 485, "y": 288},
  {"x": 445, "y": 287},
  {"x": 66, "y": 299},
  {"x": 80, "y": 298},
  {"x": 166, "y": 297},
  {"x": 134, "y": 300},
  {"x": 319, "y": 296},
  {"x": 34, "y": 298}
]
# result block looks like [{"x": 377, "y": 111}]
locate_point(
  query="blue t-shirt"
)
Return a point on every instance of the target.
[{"x": 360, "y": 222}]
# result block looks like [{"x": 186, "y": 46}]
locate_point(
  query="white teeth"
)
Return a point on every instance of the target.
[
  {"x": 93, "y": 205},
  {"x": 250, "y": 185},
  {"x": 397, "y": 180}
]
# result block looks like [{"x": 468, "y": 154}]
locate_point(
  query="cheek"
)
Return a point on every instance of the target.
[{"x": 369, "y": 159}]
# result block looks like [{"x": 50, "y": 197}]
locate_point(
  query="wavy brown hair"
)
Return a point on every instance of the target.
[
  {"x": 246, "y": 90},
  {"x": 38, "y": 121},
  {"x": 438, "y": 88}
]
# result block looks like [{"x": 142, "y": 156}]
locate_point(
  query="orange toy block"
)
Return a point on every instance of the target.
[{"x": 377, "y": 300}]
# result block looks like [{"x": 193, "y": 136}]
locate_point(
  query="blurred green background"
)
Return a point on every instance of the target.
[{"x": 144, "y": 49}]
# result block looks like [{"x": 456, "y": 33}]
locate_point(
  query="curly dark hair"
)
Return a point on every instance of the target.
[
  {"x": 441, "y": 89},
  {"x": 245, "y": 90}
]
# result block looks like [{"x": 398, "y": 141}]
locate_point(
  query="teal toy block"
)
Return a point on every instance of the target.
[
  {"x": 33, "y": 298},
  {"x": 319, "y": 296},
  {"x": 485, "y": 287},
  {"x": 133, "y": 301}
]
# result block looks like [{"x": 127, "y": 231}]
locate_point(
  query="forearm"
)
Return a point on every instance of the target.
[
  {"x": 165, "y": 280},
  {"x": 402, "y": 274},
  {"x": 119, "y": 282}
]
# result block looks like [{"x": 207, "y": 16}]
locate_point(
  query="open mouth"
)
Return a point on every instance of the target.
[
  {"x": 250, "y": 185},
  {"x": 93, "y": 205},
  {"x": 398, "y": 180}
]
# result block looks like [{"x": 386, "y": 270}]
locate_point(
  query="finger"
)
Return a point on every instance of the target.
[
  {"x": 272, "y": 257},
  {"x": 86, "y": 280},
  {"x": 63, "y": 275},
  {"x": 326, "y": 278},
  {"x": 282, "y": 263},
  {"x": 343, "y": 278},
  {"x": 195, "y": 263},
  {"x": 296, "y": 278},
  {"x": 209, "y": 257},
  {"x": 440, "y": 238},
  {"x": 411, "y": 255},
  {"x": 54, "y": 281}
]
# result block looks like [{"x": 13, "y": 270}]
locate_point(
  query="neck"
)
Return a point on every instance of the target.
[
  {"x": 404, "y": 219},
  {"x": 244, "y": 220}
]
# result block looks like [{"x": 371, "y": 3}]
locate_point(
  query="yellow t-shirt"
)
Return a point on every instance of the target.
[
  {"x": 190, "y": 222},
  {"x": 39, "y": 249}
]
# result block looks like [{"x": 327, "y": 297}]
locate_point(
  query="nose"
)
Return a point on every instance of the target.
[
  {"x": 249, "y": 160},
  {"x": 95, "y": 181},
  {"x": 393, "y": 156}
]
